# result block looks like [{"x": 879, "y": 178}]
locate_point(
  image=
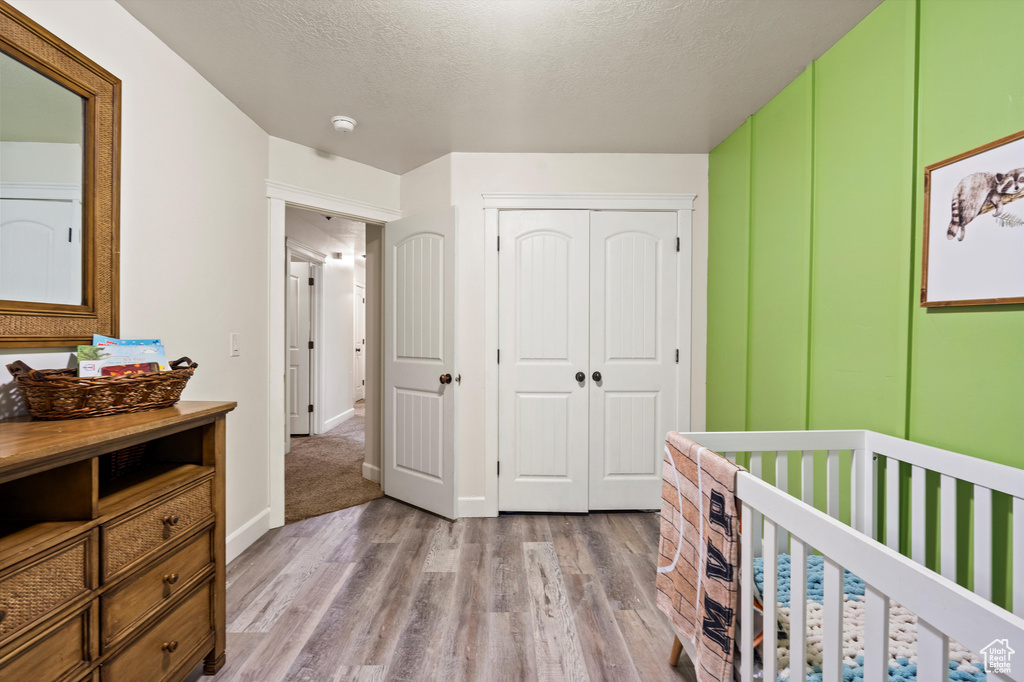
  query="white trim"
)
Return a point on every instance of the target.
[
  {"x": 45, "y": 191},
  {"x": 591, "y": 201},
  {"x": 495, "y": 203},
  {"x": 471, "y": 507},
  {"x": 338, "y": 419},
  {"x": 304, "y": 198},
  {"x": 304, "y": 252},
  {"x": 248, "y": 533},
  {"x": 371, "y": 472}
]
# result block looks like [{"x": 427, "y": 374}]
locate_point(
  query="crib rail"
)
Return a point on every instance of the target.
[
  {"x": 944, "y": 609},
  {"x": 898, "y": 478}
]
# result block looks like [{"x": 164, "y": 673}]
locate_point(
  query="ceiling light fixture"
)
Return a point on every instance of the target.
[{"x": 343, "y": 124}]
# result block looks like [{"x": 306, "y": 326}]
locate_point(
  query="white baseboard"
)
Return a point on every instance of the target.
[
  {"x": 339, "y": 419},
  {"x": 249, "y": 533},
  {"x": 475, "y": 507},
  {"x": 371, "y": 472}
]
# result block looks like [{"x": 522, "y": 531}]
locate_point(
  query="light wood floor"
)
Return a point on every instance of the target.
[{"x": 384, "y": 591}]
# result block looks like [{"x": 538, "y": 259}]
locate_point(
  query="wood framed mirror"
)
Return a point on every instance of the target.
[{"x": 59, "y": 189}]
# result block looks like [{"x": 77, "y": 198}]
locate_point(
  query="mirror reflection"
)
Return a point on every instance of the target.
[{"x": 41, "y": 166}]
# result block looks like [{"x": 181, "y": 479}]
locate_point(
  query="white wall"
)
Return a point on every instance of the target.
[
  {"x": 193, "y": 226},
  {"x": 427, "y": 188},
  {"x": 338, "y": 351},
  {"x": 473, "y": 175},
  {"x": 316, "y": 171},
  {"x": 41, "y": 162}
]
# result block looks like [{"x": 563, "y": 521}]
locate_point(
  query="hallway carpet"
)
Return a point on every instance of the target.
[{"x": 325, "y": 473}]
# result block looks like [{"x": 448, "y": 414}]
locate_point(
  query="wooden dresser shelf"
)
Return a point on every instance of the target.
[{"x": 112, "y": 560}]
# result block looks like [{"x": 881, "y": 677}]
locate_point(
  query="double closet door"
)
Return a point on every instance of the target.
[{"x": 588, "y": 366}]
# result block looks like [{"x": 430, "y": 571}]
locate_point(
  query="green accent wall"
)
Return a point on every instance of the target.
[{"x": 815, "y": 238}]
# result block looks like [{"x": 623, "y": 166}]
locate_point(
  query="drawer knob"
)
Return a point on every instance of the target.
[
  {"x": 172, "y": 519},
  {"x": 170, "y": 647},
  {"x": 171, "y": 578}
]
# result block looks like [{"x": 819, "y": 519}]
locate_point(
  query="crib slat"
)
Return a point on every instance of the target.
[
  {"x": 770, "y": 598},
  {"x": 747, "y": 596},
  {"x": 876, "y": 636},
  {"x": 947, "y": 514},
  {"x": 892, "y": 503},
  {"x": 983, "y": 542},
  {"x": 832, "y": 469},
  {"x": 832, "y": 625},
  {"x": 755, "y": 517},
  {"x": 807, "y": 477},
  {"x": 917, "y": 514},
  {"x": 798, "y": 610},
  {"x": 731, "y": 456},
  {"x": 782, "y": 483},
  {"x": 932, "y": 652},
  {"x": 1018, "y": 556}
]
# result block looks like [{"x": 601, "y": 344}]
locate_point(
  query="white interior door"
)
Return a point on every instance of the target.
[
  {"x": 359, "y": 375},
  {"x": 543, "y": 337},
  {"x": 40, "y": 251},
  {"x": 419, "y": 350},
  {"x": 299, "y": 336},
  {"x": 633, "y": 313}
]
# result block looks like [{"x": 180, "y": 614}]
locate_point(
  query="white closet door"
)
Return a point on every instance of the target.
[
  {"x": 298, "y": 347},
  {"x": 633, "y": 312},
  {"x": 419, "y": 350},
  {"x": 543, "y": 336},
  {"x": 359, "y": 375}
]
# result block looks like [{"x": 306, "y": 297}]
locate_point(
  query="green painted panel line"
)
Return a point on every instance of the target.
[{"x": 728, "y": 251}]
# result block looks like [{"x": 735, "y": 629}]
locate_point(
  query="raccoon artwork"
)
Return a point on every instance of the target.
[{"x": 977, "y": 191}]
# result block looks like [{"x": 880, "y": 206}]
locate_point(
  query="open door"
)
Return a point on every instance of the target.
[{"x": 420, "y": 375}]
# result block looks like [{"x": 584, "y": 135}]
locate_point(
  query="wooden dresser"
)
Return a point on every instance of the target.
[{"x": 112, "y": 546}]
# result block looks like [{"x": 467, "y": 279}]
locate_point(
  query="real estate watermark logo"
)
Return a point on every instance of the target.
[{"x": 997, "y": 656}]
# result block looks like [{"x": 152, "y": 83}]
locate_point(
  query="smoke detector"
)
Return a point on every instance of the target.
[{"x": 343, "y": 124}]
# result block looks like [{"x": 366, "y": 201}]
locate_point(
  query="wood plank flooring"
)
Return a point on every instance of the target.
[{"x": 384, "y": 591}]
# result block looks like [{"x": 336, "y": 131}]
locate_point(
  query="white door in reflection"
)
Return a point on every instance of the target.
[{"x": 40, "y": 251}]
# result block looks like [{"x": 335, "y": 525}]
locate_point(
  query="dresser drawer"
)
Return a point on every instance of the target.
[
  {"x": 131, "y": 538},
  {"x": 140, "y": 594},
  {"x": 162, "y": 649},
  {"x": 32, "y": 590},
  {"x": 54, "y": 655}
]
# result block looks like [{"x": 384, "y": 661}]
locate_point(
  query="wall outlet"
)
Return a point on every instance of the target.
[{"x": 234, "y": 346}]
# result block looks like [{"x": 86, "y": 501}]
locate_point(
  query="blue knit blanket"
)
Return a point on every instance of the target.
[{"x": 964, "y": 666}]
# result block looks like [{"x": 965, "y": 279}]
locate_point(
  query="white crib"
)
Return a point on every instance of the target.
[{"x": 776, "y": 520}]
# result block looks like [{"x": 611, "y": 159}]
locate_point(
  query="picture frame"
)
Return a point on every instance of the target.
[{"x": 973, "y": 254}]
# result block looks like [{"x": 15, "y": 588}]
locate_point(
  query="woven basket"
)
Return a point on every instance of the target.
[{"x": 59, "y": 394}]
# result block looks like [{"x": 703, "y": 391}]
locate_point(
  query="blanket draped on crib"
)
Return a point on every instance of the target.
[{"x": 698, "y": 563}]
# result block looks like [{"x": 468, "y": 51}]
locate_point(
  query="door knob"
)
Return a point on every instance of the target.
[
  {"x": 446, "y": 378},
  {"x": 580, "y": 376},
  {"x": 597, "y": 376}
]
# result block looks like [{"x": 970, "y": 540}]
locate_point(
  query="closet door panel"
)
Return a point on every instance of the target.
[
  {"x": 633, "y": 304},
  {"x": 543, "y": 334}
]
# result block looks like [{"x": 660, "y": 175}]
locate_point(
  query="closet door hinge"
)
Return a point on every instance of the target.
[
  {"x": 310, "y": 281},
  {"x": 677, "y": 356},
  {"x": 499, "y": 242},
  {"x": 310, "y": 408},
  {"x": 311, "y": 345},
  {"x": 499, "y": 356},
  {"x": 677, "y": 244},
  {"x": 499, "y": 467}
]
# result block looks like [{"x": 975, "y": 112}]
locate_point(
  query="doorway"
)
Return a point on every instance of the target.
[{"x": 326, "y": 451}]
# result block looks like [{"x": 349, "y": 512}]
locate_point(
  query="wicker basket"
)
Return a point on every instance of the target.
[{"x": 59, "y": 394}]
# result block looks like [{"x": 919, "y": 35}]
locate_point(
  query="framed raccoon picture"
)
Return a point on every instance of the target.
[{"x": 973, "y": 250}]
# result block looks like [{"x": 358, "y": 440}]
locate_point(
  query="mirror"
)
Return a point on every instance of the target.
[
  {"x": 59, "y": 178},
  {"x": 41, "y": 163}
]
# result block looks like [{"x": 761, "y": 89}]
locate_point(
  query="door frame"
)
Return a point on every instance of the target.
[
  {"x": 280, "y": 195},
  {"x": 681, "y": 204},
  {"x": 356, "y": 286},
  {"x": 297, "y": 251}
]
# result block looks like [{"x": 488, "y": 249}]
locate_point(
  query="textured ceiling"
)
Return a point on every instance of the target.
[
  {"x": 351, "y": 234},
  {"x": 427, "y": 77}
]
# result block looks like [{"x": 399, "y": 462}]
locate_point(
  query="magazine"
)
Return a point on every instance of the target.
[
  {"x": 100, "y": 340},
  {"x": 97, "y": 360}
]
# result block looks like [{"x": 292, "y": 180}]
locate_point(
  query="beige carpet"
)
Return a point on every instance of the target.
[{"x": 325, "y": 473}]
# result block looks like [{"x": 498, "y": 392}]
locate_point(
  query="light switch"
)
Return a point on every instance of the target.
[{"x": 235, "y": 352}]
